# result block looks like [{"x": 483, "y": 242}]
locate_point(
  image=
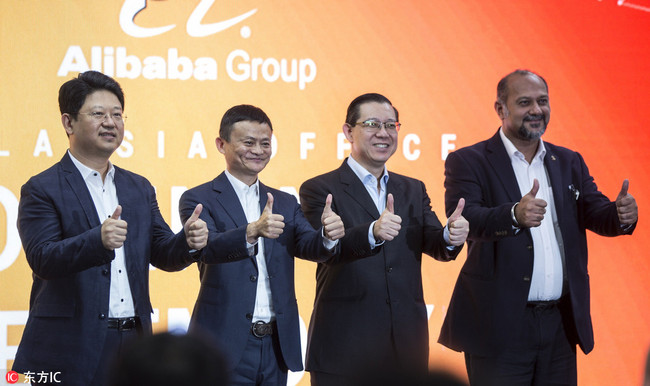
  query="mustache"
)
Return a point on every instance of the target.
[{"x": 534, "y": 117}]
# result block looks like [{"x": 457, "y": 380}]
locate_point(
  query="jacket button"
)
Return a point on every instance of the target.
[
  {"x": 389, "y": 269},
  {"x": 387, "y": 301},
  {"x": 102, "y": 316},
  {"x": 526, "y": 278},
  {"x": 530, "y": 247},
  {"x": 253, "y": 277},
  {"x": 249, "y": 316},
  {"x": 105, "y": 272}
]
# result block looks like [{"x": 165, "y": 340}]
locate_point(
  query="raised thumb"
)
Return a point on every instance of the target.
[
  {"x": 459, "y": 210},
  {"x": 118, "y": 212},
  {"x": 535, "y": 189},
  {"x": 269, "y": 203},
  {"x": 196, "y": 213},
  {"x": 390, "y": 203},
  {"x": 328, "y": 204}
]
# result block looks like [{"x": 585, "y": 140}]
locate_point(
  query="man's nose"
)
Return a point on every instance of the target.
[{"x": 536, "y": 109}]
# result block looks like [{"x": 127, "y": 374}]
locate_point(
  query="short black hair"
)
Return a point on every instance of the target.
[
  {"x": 502, "y": 86},
  {"x": 241, "y": 113},
  {"x": 73, "y": 93},
  {"x": 354, "y": 108}
]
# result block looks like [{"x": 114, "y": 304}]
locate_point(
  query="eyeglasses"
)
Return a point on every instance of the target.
[
  {"x": 98, "y": 116},
  {"x": 375, "y": 126}
]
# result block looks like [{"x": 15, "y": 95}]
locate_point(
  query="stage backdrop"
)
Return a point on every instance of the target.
[{"x": 183, "y": 63}]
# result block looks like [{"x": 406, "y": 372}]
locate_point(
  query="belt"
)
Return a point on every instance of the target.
[
  {"x": 543, "y": 304},
  {"x": 261, "y": 329},
  {"x": 124, "y": 324}
]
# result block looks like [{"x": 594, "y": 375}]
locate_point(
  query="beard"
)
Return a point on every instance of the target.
[{"x": 533, "y": 135}]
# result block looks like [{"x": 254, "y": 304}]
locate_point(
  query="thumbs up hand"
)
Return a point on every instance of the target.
[
  {"x": 333, "y": 227},
  {"x": 388, "y": 225},
  {"x": 196, "y": 230},
  {"x": 628, "y": 212},
  {"x": 458, "y": 226},
  {"x": 113, "y": 230},
  {"x": 530, "y": 211},
  {"x": 269, "y": 225}
]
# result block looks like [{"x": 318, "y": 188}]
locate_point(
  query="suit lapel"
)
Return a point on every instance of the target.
[
  {"x": 356, "y": 191},
  {"x": 227, "y": 198},
  {"x": 397, "y": 190},
  {"x": 268, "y": 243},
  {"x": 124, "y": 198},
  {"x": 78, "y": 186},
  {"x": 554, "y": 167},
  {"x": 502, "y": 167}
]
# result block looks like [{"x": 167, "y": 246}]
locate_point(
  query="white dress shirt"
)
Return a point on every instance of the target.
[
  {"x": 104, "y": 197},
  {"x": 249, "y": 198},
  {"x": 548, "y": 276}
]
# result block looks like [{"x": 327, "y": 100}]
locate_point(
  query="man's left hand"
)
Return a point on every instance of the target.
[
  {"x": 333, "y": 227},
  {"x": 458, "y": 225},
  {"x": 196, "y": 230},
  {"x": 628, "y": 212}
]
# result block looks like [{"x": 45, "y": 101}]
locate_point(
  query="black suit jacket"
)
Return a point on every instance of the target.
[
  {"x": 369, "y": 307},
  {"x": 61, "y": 235},
  {"x": 226, "y": 301},
  {"x": 490, "y": 296}
]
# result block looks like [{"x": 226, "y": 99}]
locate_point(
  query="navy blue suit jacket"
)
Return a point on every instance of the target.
[
  {"x": 226, "y": 301},
  {"x": 369, "y": 307},
  {"x": 489, "y": 299},
  {"x": 61, "y": 235}
]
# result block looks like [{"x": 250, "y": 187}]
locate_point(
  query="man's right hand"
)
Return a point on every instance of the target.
[
  {"x": 530, "y": 211},
  {"x": 114, "y": 230},
  {"x": 269, "y": 225},
  {"x": 388, "y": 225}
]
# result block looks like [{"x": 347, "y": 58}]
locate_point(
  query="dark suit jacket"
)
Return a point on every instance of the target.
[
  {"x": 226, "y": 301},
  {"x": 369, "y": 305},
  {"x": 61, "y": 235},
  {"x": 490, "y": 296}
]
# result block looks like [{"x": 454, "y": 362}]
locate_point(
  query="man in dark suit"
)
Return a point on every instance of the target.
[
  {"x": 247, "y": 300},
  {"x": 521, "y": 302},
  {"x": 369, "y": 312},
  {"x": 91, "y": 276}
]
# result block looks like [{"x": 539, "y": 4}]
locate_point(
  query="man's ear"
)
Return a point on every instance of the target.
[
  {"x": 66, "y": 121},
  {"x": 500, "y": 109},
  {"x": 347, "y": 131},
  {"x": 220, "y": 144}
]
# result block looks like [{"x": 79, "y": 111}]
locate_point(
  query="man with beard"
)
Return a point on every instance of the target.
[{"x": 521, "y": 302}]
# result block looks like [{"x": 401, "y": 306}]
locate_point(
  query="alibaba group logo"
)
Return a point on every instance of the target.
[{"x": 195, "y": 28}]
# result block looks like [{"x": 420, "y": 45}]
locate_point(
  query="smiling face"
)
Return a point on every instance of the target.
[
  {"x": 526, "y": 111},
  {"x": 248, "y": 150},
  {"x": 372, "y": 149},
  {"x": 91, "y": 139}
]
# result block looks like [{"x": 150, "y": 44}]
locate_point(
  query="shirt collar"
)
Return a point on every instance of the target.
[
  {"x": 513, "y": 152},
  {"x": 363, "y": 174},
  {"x": 241, "y": 187},
  {"x": 86, "y": 172}
]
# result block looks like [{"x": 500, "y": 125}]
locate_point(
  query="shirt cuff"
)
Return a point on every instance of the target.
[
  {"x": 445, "y": 235},
  {"x": 371, "y": 237}
]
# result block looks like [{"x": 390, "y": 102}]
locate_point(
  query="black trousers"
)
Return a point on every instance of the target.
[{"x": 543, "y": 352}]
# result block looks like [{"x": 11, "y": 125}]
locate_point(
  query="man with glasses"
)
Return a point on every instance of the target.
[
  {"x": 369, "y": 312},
  {"x": 90, "y": 230}
]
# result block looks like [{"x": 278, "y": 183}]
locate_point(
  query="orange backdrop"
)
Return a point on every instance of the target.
[{"x": 303, "y": 61}]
